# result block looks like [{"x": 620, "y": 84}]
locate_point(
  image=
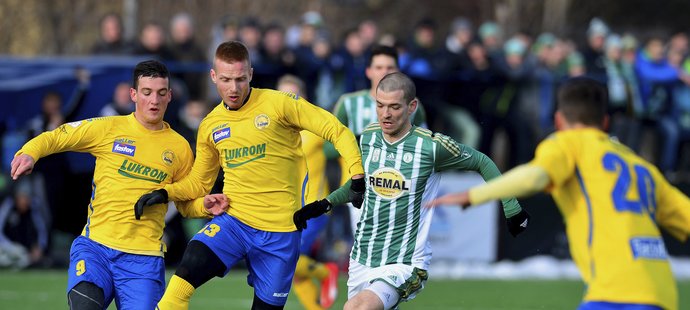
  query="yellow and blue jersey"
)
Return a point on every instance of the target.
[
  {"x": 130, "y": 161},
  {"x": 260, "y": 150},
  {"x": 613, "y": 202}
]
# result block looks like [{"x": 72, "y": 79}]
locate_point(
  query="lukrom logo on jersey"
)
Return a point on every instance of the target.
[
  {"x": 388, "y": 183},
  {"x": 239, "y": 156},
  {"x": 135, "y": 170}
]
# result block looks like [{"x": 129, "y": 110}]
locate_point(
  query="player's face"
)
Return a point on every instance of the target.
[
  {"x": 232, "y": 81},
  {"x": 394, "y": 113},
  {"x": 151, "y": 97},
  {"x": 380, "y": 66}
]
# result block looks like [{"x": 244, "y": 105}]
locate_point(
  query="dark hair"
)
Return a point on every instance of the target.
[
  {"x": 232, "y": 51},
  {"x": 398, "y": 81},
  {"x": 149, "y": 68},
  {"x": 583, "y": 100},
  {"x": 382, "y": 50}
]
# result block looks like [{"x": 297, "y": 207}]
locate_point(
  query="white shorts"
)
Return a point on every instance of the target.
[{"x": 406, "y": 280}]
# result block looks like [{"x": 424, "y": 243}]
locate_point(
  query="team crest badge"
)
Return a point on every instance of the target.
[
  {"x": 262, "y": 121},
  {"x": 168, "y": 157},
  {"x": 407, "y": 158}
]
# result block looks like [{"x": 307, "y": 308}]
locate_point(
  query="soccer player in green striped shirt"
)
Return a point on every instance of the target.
[
  {"x": 357, "y": 110},
  {"x": 391, "y": 252}
]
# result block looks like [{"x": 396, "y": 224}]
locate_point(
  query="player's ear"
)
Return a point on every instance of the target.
[
  {"x": 251, "y": 74},
  {"x": 213, "y": 75},
  {"x": 413, "y": 105}
]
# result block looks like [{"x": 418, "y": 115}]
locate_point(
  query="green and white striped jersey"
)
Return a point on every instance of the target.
[
  {"x": 394, "y": 227},
  {"x": 357, "y": 110}
]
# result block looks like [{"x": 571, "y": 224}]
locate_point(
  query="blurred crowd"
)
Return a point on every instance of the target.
[{"x": 488, "y": 87}]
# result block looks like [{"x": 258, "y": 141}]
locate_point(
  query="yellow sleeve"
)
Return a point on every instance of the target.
[
  {"x": 81, "y": 136},
  {"x": 317, "y": 120},
  {"x": 193, "y": 208},
  {"x": 521, "y": 181},
  {"x": 673, "y": 210},
  {"x": 204, "y": 171},
  {"x": 556, "y": 158}
]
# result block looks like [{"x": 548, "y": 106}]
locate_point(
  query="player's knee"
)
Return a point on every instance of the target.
[
  {"x": 85, "y": 296},
  {"x": 199, "y": 264},
  {"x": 259, "y": 304}
]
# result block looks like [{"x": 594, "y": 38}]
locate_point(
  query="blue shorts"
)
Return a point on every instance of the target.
[
  {"x": 134, "y": 281},
  {"x": 600, "y": 305},
  {"x": 271, "y": 256},
  {"x": 309, "y": 235}
]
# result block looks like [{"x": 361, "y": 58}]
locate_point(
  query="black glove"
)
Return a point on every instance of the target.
[
  {"x": 152, "y": 198},
  {"x": 518, "y": 222},
  {"x": 310, "y": 211},
  {"x": 356, "y": 194}
]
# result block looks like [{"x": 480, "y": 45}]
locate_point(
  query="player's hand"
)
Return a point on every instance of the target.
[
  {"x": 518, "y": 222},
  {"x": 156, "y": 197},
  {"x": 460, "y": 199},
  {"x": 356, "y": 194},
  {"x": 310, "y": 211},
  {"x": 216, "y": 204},
  {"x": 21, "y": 165}
]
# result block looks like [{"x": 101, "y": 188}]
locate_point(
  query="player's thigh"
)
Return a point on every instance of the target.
[
  {"x": 89, "y": 263},
  {"x": 378, "y": 295},
  {"x": 309, "y": 235},
  {"x": 227, "y": 238},
  {"x": 271, "y": 264},
  {"x": 139, "y": 281}
]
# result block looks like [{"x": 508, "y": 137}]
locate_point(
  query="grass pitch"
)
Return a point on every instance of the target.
[{"x": 45, "y": 289}]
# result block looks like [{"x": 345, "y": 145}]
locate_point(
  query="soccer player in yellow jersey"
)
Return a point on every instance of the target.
[
  {"x": 309, "y": 269},
  {"x": 119, "y": 255},
  {"x": 611, "y": 199},
  {"x": 254, "y": 134}
]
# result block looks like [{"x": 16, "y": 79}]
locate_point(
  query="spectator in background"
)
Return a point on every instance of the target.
[
  {"x": 250, "y": 35},
  {"x": 121, "y": 104},
  {"x": 111, "y": 40},
  {"x": 189, "y": 55},
  {"x": 190, "y": 117},
  {"x": 625, "y": 103},
  {"x": 23, "y": 228},
  {"x": 350, "y": 61},
  {"x": 304, "y": 33},
  {"x": 226, "y": 29},
  {"x": 656, "y": 79},
  {"x": 274, "y": 59},
  {"x": 491, "y": 35},
  {"x": 53, "y": 113},
  {"x": 426, "y": 64},
  {"x": 593, "y": 53},
  {"x": 308, "y": 64},
  {"x": 516, "y": 102},
  {"x": 461, "y": 33},
  {"x": 368, "y": 31},
  {"x": 152, "y": 42}
]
